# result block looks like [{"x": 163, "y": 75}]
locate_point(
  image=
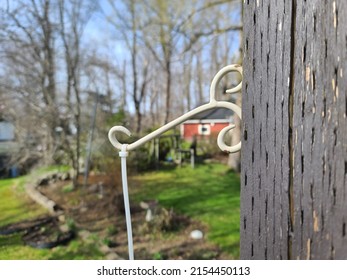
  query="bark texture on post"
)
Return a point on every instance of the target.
[{"x": 294, "y": 153}]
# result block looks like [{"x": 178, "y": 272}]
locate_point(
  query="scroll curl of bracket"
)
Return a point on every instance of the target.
[{"x": 213, "y": 103}]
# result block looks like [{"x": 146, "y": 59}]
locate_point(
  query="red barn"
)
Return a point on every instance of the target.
[{"x": 206, "y": 123}]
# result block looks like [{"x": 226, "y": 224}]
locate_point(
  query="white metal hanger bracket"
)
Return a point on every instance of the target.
[{"x": 124, "y": 148}]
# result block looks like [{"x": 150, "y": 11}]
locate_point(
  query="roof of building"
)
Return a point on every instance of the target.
[{"x": 213, "y": 114}]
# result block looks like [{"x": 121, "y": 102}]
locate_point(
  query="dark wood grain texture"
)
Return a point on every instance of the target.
[{"x": 294, "y": 153}]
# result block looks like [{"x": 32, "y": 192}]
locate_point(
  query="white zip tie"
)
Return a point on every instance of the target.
[{"x": 123, "y": 155}]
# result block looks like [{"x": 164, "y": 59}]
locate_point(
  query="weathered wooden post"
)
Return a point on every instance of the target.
[{"x": 294, "y": 151}]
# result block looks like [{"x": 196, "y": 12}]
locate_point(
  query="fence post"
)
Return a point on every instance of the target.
[
  {"x": 294, "y": 150},
  {"x": 192, "y": 158}
]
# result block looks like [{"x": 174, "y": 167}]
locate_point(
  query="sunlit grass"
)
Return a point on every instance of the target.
[
  {"x": 209, "y": 193},
  {"x": 13, "y": 248},
  {"x": 16, "y": 206}
]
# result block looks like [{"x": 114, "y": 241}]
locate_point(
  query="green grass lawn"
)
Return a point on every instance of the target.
[
  {"x": 15, "y": 206},
  {"x": 209, "y": 193}
]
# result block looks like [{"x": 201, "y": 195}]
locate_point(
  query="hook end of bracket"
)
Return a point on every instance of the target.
[
  {"x": 222, "y": 145},
  {"x": 112, "y": 135}
]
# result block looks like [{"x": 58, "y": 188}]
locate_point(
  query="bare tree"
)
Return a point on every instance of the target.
[
  {"x": 29, "y": 57},
  {"x": 127, "y": 23},
  {"x": 35, "y": 33},
  {"x": 156, "y": 29},
  {"x": 168, "y": 23},
  {"x": 187, "y": 77},
  {"x": 170, "y": 48},
  {"x": 73, "y": 16}
]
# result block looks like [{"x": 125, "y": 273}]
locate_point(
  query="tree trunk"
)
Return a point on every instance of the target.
[
  {"x": 294, "y": 150},
  {"x": 200, "y": 79},
  {"x": 168, "y": 91},
  {"x": 187, "y": 77},
  {"x": 138, "y": 118}
]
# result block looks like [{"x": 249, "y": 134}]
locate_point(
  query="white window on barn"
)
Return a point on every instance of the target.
[{"x": 204, "y": 129}]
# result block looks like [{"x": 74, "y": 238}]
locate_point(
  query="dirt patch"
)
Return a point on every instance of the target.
[
  {"x": 26, "y": 225},
  {"x": 98, "y": 208},
  {"x": 44, "y": 232},
  {"x": 48, "y": 235}
]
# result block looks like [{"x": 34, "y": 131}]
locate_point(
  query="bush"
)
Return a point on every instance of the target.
[
  {"x": 208, "y": 146},
  {"x": 144, "y": 158}
]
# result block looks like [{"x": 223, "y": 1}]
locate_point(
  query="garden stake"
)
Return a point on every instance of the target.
[{"x": 124, "y": 148}]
